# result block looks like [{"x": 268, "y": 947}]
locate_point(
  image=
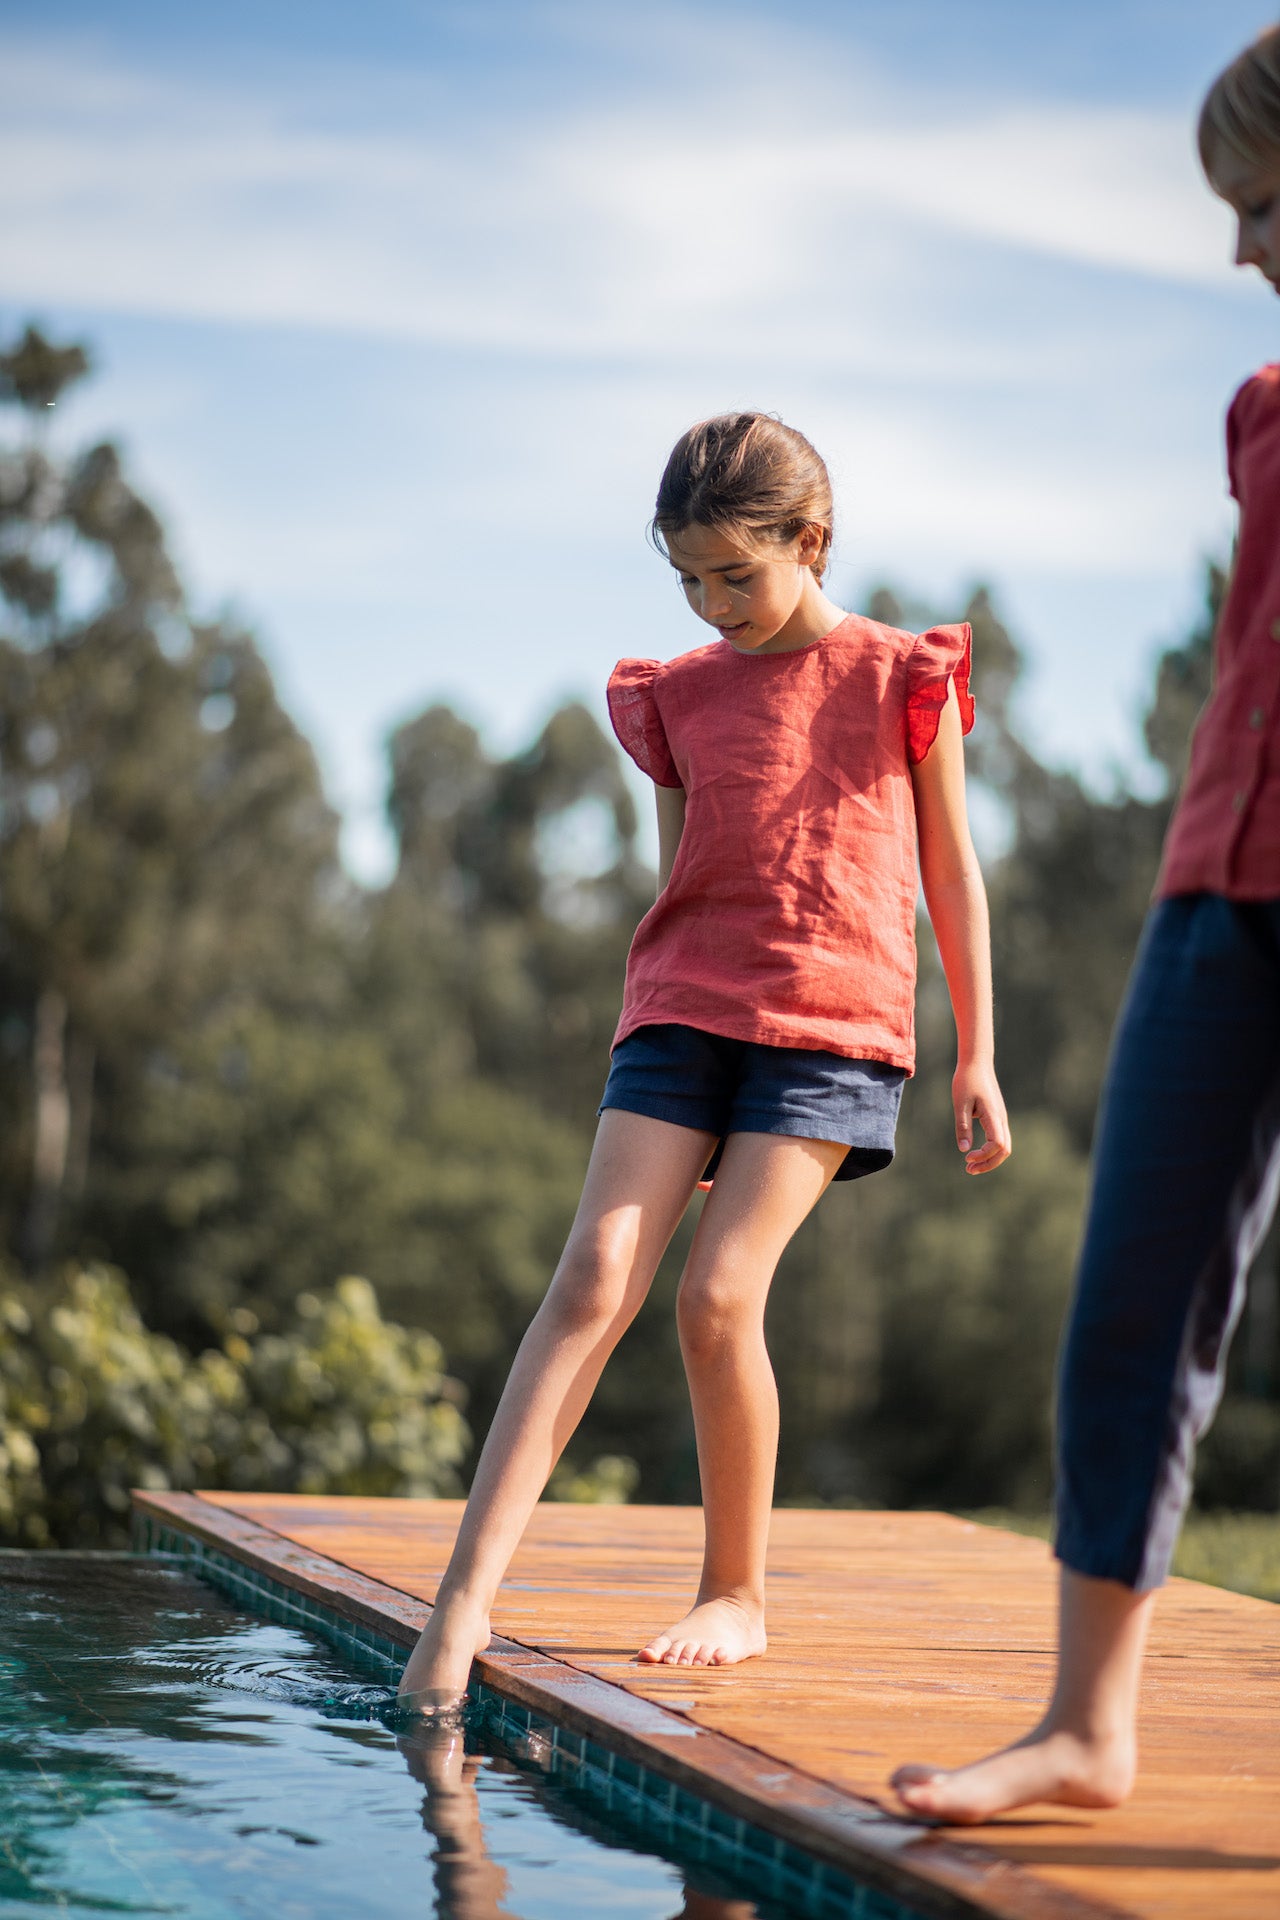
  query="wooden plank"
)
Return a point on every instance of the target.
[
  {"x": 893, "y": 1636},
  {"x": 936, "y": 1876}
]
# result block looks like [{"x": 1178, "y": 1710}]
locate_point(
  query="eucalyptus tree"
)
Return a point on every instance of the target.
[{"x": 165, "y": 845}]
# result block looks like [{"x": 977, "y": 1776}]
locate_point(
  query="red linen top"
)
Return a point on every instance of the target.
[
  {"x": 1225, "y": 833},
  {"x": 789, "y": 917}
]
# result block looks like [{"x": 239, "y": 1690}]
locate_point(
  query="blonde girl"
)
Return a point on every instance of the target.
[{"x": 767, "y": 1022}]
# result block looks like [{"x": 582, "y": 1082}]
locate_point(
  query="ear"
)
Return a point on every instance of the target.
[{"x": 809, "y": 543}]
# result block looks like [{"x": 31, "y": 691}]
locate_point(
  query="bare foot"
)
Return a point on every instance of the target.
[
  {"x": 715, "y": 1634},
  {"x": 1053, "y": 1765},
  {"x": 436, "y": 1674}
]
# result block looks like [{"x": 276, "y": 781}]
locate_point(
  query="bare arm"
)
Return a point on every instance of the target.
[
  {"x": 957, "y": 903},
  {"x": 670, "y": 827}
]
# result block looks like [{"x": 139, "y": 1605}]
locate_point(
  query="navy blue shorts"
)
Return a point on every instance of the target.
[{"x": 722, "y": 1086}]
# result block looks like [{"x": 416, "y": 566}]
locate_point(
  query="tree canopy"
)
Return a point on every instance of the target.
[{"x": 233, "y": 1074}]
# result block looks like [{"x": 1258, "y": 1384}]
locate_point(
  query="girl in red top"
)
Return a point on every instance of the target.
[
  {"x": 767, "y": 1024},
  {"x": 1187, "y": 1158}
]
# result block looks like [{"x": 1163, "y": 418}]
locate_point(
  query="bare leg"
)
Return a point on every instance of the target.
[
  {"x": 638, "y": 1184},
  {"x": 765, "y": 1186},
  {"x": 1084, "y": 1752},
  {"x": 468, "y": 1884}
]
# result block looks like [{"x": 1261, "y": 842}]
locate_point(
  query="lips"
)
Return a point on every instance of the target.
[{"x": 733, "y": 633}]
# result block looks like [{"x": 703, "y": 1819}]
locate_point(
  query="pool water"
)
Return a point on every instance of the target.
[{"x": 163, "y": 1753}]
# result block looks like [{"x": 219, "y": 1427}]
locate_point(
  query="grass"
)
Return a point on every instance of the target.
[{"x": 1236, "y": 1550}]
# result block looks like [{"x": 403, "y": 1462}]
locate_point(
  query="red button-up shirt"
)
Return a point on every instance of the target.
[{"x": 1225, "y": 833}]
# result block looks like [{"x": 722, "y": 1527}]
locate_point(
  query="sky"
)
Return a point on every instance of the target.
[{"x": 397, "y": 310}]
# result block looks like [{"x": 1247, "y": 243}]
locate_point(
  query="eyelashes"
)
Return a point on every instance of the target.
[{"x": 687, "y": 581}]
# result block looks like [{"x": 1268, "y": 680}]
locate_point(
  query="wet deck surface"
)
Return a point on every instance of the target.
[{"x": 893, "y": 1637}]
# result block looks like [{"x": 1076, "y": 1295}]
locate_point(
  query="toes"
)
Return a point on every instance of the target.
[
  {"x": 656, "y": 1651},
  {"x": 916, "y": 1787},
  {"x": 912, "y": 1776}
]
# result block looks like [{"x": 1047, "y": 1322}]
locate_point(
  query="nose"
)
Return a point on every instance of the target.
[
  {"x": 716, "y": 603},
  {"x": 1248, "y": 253}
]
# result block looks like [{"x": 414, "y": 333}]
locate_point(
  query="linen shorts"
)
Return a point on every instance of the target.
[{"x": 722, "y": 1086}]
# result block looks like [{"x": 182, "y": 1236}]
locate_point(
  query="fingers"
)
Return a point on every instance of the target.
[
  {"x": 987, "y": 1158},
  {"x": 998, "y": 1144},
  {"x": 987, "y": 1112}
]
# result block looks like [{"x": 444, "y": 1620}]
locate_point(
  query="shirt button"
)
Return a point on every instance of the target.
[
  {"x": 1238, "y": 801},
  {"x": 1257, "y": 717}
]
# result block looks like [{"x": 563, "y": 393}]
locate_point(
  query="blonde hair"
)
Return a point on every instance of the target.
[
  {"x": 1241, "y": 110},
  {"x": 748, "y": 477}
]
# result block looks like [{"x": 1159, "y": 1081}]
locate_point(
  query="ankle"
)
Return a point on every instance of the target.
[
  {"x": 457, "y": 1605},
  {"x": 1092, "y": 1726},
  {"x": 736, "y": 1593}
]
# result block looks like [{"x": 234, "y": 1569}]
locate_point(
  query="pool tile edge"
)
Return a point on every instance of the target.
[{"x": 871, "y": 1862}]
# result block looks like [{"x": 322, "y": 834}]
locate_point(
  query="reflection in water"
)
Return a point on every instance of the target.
[
  {"x": 470, "y": 1886},
  {"x": 163, "y": 1754}
]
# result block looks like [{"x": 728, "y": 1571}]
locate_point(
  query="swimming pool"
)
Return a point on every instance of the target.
[{"x": 163, "y": 1751}]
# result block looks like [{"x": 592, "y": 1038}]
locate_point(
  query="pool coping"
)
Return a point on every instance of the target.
[{"x": 666, "y": 1758}]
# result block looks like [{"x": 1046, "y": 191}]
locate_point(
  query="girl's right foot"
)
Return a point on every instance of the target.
[
  {"x": 715, "y": 1633},
  {"x": 436, "y": 1674}
]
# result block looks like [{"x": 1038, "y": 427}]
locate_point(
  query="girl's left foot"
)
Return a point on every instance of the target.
[
  {"x": 717, "y": 1633},
  {"x": 1053, "y": 1765}
]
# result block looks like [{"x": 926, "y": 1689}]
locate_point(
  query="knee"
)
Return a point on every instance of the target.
[
  {"x": 713, "y": 1320},
  {"x": 595, "y": 1284}
]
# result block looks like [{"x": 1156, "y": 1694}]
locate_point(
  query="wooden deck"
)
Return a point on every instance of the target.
[{"x": 893, "y": 1637}]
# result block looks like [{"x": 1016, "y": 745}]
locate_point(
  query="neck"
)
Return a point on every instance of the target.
[{"x": 813, "y": 619}]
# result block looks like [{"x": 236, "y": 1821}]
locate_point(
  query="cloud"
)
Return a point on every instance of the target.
[
  {"x": 472, "y": 308},
  {"x": 656, "y": 227}
]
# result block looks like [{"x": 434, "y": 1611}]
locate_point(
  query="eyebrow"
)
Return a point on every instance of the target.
[{"x": 734, "y": 566}]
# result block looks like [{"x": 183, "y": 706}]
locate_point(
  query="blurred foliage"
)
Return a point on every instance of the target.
[
  {"x": 231, "y": 1073},
  {"x": 1236, "y": 1550},
  {"x": 981, "y": 1279},
  {"x": 339, "y": 1401},
  {"x": 609, "y": 1481}
]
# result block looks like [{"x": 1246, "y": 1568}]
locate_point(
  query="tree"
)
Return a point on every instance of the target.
[{"x": 165, "y": 846}]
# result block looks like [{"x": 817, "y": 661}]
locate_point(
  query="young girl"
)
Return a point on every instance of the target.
[
  {"x": 1188, "y": 1155},
  {"x": 767, "y": 1024}
]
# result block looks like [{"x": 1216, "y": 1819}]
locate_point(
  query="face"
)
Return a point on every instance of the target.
[
  {"x": 1252, "y": 190},
  {"x": 754, "y": 597}
]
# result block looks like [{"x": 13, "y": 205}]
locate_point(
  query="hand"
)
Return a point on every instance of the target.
[{"x": 976, "y": 1096}]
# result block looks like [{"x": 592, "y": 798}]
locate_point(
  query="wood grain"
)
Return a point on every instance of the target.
[{"x": 893, "y": 1636}]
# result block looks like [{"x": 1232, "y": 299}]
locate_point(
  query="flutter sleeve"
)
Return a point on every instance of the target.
[
  {"x": 1247, "y": 414},
  {"x": 633, "y": 709},
  {"x": 938, "y": 658}
]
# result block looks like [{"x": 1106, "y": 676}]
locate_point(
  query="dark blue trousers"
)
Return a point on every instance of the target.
[{"x": 1186, "y": 1170}]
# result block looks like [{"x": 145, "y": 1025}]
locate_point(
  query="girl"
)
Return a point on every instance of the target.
[
  {"x": 767, "y": 1025},
  {"x": 1188, "y": 1154}
]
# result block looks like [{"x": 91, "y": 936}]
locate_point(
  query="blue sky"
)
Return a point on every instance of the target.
[{"x": 398, "y": 309}]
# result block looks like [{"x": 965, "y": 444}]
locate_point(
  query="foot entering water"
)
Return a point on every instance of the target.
[
  {"x": 435, "y": 1677},
  {"x": 716, "y": 1633},
  {"x": 1052, "y": 1766}
]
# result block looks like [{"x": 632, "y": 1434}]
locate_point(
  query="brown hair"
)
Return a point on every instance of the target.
[
  {"x": 749, "y": 477},
  {"x": 1241, "y": 110}
]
